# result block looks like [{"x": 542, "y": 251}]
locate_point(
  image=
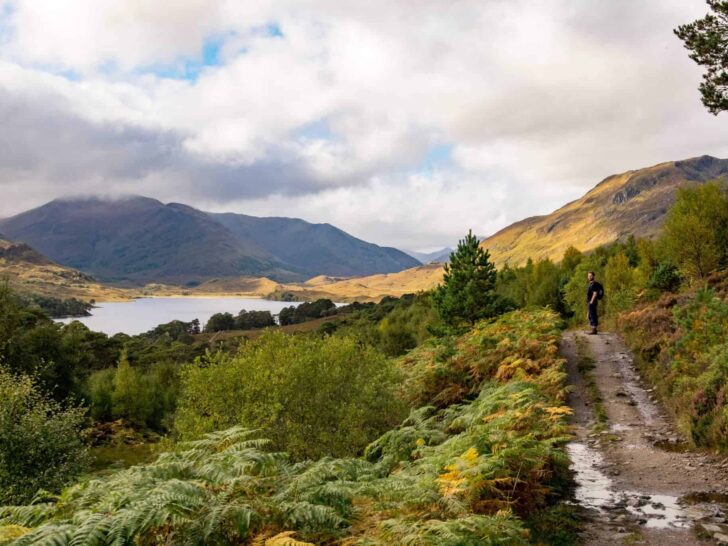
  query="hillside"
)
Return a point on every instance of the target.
[
  {"x": 28, "y": 271},
  {"x": 631, "y": 203},
  {"x": 141, "y": 240},
  {"x": 316, "y": 249},
  {"x": 370, "y": 288}
]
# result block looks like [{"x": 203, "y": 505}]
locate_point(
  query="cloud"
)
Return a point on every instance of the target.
[{"x": 333, "y": 109}]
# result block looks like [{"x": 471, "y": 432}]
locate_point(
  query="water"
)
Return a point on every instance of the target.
[
  {"x": 595, "y": 490},
  {"x": 143, "y": 314}
]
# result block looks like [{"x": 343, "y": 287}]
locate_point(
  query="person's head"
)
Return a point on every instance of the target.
[{"x": 590, "y": 276}]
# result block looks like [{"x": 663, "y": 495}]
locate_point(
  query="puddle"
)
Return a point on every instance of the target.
[
  {"x": 593, "y": 487},
  {"x": 619, "y": 427},
  {"x": 594, "y": 490},
  {"x": 657, "y": 511}
]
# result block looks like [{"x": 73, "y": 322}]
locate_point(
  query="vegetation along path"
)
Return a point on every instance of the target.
[{"x": 636, "y": 477}]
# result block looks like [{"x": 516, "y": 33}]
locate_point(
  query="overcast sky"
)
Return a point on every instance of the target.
[{"x": 404, "y": 122}]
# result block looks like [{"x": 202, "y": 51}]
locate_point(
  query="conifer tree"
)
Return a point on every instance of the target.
[
  {"x": 707, "y": 40},
  {"x": 467, "y": 293}
]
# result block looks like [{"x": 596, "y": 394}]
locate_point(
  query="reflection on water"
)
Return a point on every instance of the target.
[
  {"x": 595, "y": 491},
  {"x": 141, "y": 315}
]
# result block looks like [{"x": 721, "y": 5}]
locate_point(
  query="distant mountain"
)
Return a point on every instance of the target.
[
  {"x": 136, "y": 239},
  {"x": 631, "y": 203},
  {"x": 141, "y": 240},
  {"x": 439, "y": 256},
  {"x": 316, "y": 249}
]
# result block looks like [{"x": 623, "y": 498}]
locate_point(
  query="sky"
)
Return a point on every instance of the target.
[{"x": 403, "y": 122}]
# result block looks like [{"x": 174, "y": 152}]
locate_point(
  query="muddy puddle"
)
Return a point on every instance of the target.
[{"x": 595, "y": 491}]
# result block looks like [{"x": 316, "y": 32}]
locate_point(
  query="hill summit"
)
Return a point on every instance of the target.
[{"x": 631, "y": 203}]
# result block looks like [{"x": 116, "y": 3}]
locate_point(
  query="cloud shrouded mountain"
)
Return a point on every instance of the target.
[{"x": 140, "y": 239}]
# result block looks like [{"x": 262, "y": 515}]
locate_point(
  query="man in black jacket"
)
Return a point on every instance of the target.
[{"x": 594, "y": 293}]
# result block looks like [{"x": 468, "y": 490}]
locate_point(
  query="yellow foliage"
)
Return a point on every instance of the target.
[
  {"x": 11, "y": 532},
  {"x": 453, "y": 482},
  {"x": 286, "y": 539}
]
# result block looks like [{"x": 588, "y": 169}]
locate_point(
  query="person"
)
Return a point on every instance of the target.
[{"x": 593, "y": 293}]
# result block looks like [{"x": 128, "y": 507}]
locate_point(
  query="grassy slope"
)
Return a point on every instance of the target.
[
  {"x": 631, "y": 203},
  {"x": 28, "y": 271}
]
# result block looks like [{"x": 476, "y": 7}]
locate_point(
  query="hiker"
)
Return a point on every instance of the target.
[{"x": 594, "y": 293}]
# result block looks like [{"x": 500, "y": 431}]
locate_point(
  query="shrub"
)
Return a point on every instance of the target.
[
  {"x": 665, "y": 277},
  {"x": 464, "y": 475},
  {"x": 146, "y": 398},
  {"x": 313, "y": 397},
  {"x": 41, "y": 444},
  {"x": 682, "y": 349}
]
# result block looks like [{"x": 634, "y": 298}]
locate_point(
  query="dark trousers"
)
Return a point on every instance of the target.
[{"x": 593, "y": 315}]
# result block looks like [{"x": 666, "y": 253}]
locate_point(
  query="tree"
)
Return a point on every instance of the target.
[
  {"x": 41, "y": 444},
  {"x": 696, "y": 230},
  {"x": 572, "y": 258},
  {"x": 467, "y": 293},
  {"x": 311, "y": 396},
  {"x": 128, "y": 398},
  {"x": 220, "y": 322},
  {"x": 620, "y": 281},
  {"x": 707, "y": 39}
]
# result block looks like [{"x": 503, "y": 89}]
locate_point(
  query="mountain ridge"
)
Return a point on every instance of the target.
[
  {"x": 138, "y": 239},
  {"x": 631, "y": 203}
]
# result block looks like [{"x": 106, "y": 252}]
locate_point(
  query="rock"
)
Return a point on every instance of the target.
[
  {"x": 721, "y": 538},
  {"x": 711, "y": 527}
]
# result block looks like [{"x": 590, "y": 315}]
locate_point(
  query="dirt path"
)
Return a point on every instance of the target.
[{"x": 635, "y": 477}]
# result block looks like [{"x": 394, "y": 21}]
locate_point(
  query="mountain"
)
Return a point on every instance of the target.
[
  {"x": 439, "y": 256},
  {"x": 137, "y": 239},
  {"x": 141, "y": 240},
  {"x": 316, "y": 249},
  {"x": 631, "y": 203}
]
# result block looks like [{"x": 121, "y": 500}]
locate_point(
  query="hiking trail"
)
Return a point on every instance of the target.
[{"x": 637, "y": 480}]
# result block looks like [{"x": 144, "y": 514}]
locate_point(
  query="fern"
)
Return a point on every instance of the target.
[{"x": 461, "y": 470}]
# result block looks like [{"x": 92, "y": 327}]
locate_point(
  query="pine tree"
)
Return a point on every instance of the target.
[
  {"x": 467, "y": 293},
  {"x": 707, "y": 40}
]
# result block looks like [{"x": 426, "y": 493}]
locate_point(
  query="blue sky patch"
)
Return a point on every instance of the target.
[{"x": 438, "y": 157}]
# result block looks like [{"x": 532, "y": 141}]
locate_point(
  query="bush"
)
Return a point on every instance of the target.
[
  {"x": 682, "y": 349},
  {"x": 146, "y": 398},
  {"x": 41, "y": 444},
  {"x": 666, "y": 278},
  {"x": 472, "y": 473},
  {"x": 313, "y": 397}
]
